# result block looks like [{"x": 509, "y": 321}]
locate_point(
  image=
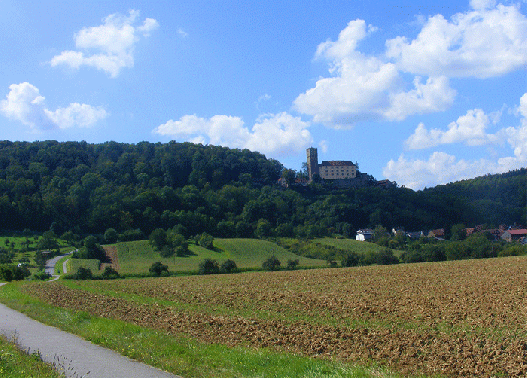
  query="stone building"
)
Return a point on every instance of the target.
[{"x": 329, "y": 170}]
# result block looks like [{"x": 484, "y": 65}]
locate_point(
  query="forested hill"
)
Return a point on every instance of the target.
[
  {"x": 495, "y": 199},
  {"x": 98, "y": 185},
  {"x": 135, "y": 188}
]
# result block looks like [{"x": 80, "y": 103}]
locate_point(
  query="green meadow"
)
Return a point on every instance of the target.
[{"x": 137, "y": 256}]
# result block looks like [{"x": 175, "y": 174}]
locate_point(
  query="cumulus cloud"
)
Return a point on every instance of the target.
[
  {"x": 440, "y": 168},
  {"x": 469, "y": 129},
  {"x": 274, "y": 134},
  {"x": 365, "y": 87},
  {"x": 486, "y": 41},
  {"x": 25, "y": 104},
  {"x": 108, "y": 47}
]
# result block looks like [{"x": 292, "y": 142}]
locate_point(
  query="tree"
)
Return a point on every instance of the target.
[
  {"x": 272, "y": 263},
  {"x": 263, "y": 228},
  {"x": 158, "y": 238},
  {"x": 292, "y": 264},
  {"x": 228, "y": 266},
  {"x": 110, "y": 273},
  {"x": 206, "y": 241},
  {"x": 83, "y": 274},
  {"x": 48, "y": 241},
  {"x": 458, "y": 232},
  {"x": 110, "y": 235},
  {"x": 158, "y": 269},
  {"x": 351, "y": 259},
  {"x": 209, "y": 266}
]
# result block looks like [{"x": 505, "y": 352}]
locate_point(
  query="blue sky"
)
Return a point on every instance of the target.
[{"x": 418, "y": 94}]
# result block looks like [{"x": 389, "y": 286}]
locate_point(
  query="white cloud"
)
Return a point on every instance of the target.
[
  {"x": 25, "y": 104},
  {"x": 433, "y": 96},
  {"x": 182, "y": 33},
  {"x": 278, "y": 135},
  {"x": 108, "y": 47},
  {"x": 484, "y": 42},
  {"x": 440, "y": 168},
  {"x": 76, "y": 114},
  {"x": 367, "y": 87},
  {"x": 469, "y": 129},
  {"x": 323, "y": 145}
]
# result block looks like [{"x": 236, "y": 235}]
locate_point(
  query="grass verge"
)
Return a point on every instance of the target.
[
  {"x": 15, "y": 363},
  {"x": 182, "y": 356}
]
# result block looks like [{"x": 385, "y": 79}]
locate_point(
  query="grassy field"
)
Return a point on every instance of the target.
[
  {"x": 136, "y": 257},
  {"x": 75, "y": 264},
  {"x": 14, "y": 363},
  {"x": 359, "y": 247}
]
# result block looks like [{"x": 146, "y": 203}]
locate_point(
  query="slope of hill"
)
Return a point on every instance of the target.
[
  {"x": 135, "y": 188},
  {"x": 495, "y": 199},
  {"x": 137, "y": 256}
]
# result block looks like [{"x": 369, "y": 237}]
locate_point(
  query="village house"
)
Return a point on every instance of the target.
[
  {"x": 364, "y": 235},
  {"x": 514, "y": 235}
]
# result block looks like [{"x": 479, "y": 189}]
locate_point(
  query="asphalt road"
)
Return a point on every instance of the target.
[{"x": 70, "y": 354}]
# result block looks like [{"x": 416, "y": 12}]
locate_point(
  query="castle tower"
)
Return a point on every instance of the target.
[{"x": 312, "y": 162}]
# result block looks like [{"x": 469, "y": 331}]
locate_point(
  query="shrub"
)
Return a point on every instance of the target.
[
  {"x": 272, "y": 263},
  {"x": 206, "y": 241},
  {"x": 209, "y": 266},
  {"x": 351, "y": 259},
  {"x": 157, "y": 269},
  {"x": 83, "y": 274},
  {"x": 228, "y": 266},
  {"x": 292, "y": 264},
  {"x": 13, "y": 273},
  {"x": 41, "y": 275},
  {"x": 110, "y": 273}
]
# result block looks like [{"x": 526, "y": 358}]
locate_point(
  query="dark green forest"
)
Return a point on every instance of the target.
[{"x": 135, "y": 188}]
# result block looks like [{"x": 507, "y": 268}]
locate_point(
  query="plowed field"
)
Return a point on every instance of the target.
[{"x": 465, "y": 318}]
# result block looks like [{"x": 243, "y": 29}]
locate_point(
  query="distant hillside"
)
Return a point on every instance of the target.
[
  {"x": 495, "y": 199},
  {"x": 82, "y": 188}
]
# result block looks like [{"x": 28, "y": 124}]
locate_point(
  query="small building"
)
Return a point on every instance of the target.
[
  {"x": 438, "y": 234},
  {"x": 364, "y": 235},
  {"x": 514, "y": 235}
]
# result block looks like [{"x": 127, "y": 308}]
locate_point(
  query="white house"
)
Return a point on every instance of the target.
[{"x": 363, "y": 235}]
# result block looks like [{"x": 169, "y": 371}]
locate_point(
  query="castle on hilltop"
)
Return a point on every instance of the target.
[{"x": 342, "y": 173}]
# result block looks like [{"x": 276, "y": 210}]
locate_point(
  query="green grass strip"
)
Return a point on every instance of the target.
[{"x": 15, "y": 363}]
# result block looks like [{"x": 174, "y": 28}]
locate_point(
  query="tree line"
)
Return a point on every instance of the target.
[{"x": 126, "y": 191}]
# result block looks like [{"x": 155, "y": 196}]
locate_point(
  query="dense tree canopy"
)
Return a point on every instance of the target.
[{"x": 127, "y": 191}]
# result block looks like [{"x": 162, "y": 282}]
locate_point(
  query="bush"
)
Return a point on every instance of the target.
[
  {"x": 351, "y": 259},
  {"x": 110, "y": 273},
  {"x": 83, "y": 274},
  {"x": 228, "y": 266},
  {"x": 386, "y": 257},
  {"x": 272, "y": 263},
  {"x": 292, "y": 264},
  {"x": 157, "y": 269},
  {"x": 41, "y": 275},
  {"x": 13, "y": 273},
  {"x": 206, "y": 241},
  {"x": 209, "y": 266}
]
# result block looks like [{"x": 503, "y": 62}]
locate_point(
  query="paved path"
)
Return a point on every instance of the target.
[
  {"x": 70, "y": 354},
  {"x": 50, "y": 265}
]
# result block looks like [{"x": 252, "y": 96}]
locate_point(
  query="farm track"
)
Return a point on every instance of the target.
[{"x": 464, "y": 318}]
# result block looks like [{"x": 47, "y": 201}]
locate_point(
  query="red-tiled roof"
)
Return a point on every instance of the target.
[{"x": 518, "y": 232}]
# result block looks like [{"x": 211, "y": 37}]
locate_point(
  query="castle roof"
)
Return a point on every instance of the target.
[{"x": 337, "y": 163}]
